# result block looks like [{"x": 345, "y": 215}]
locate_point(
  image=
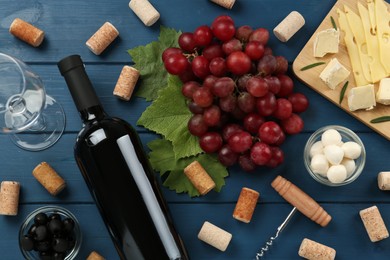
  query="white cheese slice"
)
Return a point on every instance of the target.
[
  {"x": 334, "y": 73},
  {"x": 357, "y": 29},
  {"x": 362, "y": 97},
  {"x": 327, "y": 41},
  {"x": 378, "y": 72},
  {"x": 383, "y": 94},
  {"x": 352, "y": 48},
  {"x": 383, "y": 29}
]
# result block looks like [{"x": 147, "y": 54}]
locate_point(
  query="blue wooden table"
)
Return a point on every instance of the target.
[{"x": 68, "y": 24}]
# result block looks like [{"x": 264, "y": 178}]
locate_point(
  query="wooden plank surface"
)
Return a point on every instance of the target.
[
  {"x": 311, "y": 76},
  {"x": 68, "y": 24}
]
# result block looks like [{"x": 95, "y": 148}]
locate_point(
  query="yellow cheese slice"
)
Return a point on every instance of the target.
[
  {"x": 378, "y": 72},
  {"x": 383, "y": 29},
  {"x": 356, "y": 26},
  {"x": 352, "y": 48}
]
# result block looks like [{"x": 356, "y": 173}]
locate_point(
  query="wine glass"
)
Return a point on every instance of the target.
[{"x": 34, "y": 120}]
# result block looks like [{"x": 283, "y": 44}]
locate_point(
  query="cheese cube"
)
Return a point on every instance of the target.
[
  {"x": 362, "y": 97},
  {"x": 383, "y": 94},
  {"x": 334, "y": 73},
  {"x": 327, "y": 41}
]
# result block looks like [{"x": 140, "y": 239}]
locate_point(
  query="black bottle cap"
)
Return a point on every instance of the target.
[{"x": 83, "y": 93}]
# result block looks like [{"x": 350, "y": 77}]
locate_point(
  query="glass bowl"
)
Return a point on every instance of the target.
[
  {"x": 49, "y": 210},
  {"x": 346, "y": 135}
]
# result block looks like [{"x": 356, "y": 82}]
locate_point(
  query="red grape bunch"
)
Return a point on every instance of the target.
[{"x": 242, "y": 101}]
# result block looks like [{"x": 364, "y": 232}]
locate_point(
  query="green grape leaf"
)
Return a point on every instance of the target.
[
  {"x": 168, "y": 115},
  {"x": 147, "y": 59},
  {"x": 162, "y": 159}
]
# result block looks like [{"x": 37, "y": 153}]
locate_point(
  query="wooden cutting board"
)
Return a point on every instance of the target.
[{"x": 311, "y": 76}]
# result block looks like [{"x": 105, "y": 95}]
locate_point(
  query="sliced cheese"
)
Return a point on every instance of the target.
[
  {"x": 358, "y": 32},
  {"x": 352, "y": 48},
  {"x": 383, "y": 29},
  {"x": 378, "y": 72},
  {"x": 362, "y": 97},
  {"x": 334, "y": 73},
  {"x": 383, "y": 94},
  {"x": 327, "y": 41}
]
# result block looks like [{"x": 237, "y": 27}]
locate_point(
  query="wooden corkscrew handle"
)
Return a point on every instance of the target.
[{"x": 303, "y": 202}]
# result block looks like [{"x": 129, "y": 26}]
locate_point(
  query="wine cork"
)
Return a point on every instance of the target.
[
  {"x": 49, "y": 178},
  {"x": 95, "y": 256},
  {"x": 289, "y": 26},
  {"x": 246, "y": 205},
  {"x": 214, "y": 236},
  {"x": 199, "y": 177},
  {"x": 9, "y": 198},
  {"x": 126, "y": 83},
  {"x": 373, "y": 222},
  {"x": 102, "y": 38},
  {"x": 145, "y": 11},
  {"x": 228, "y": 4},
  {"x": 384, "y": 180},
  {"x": 312, "y": 250},
  {"x": 27, "y": 32},
  {"x": 303, "y": 202}
]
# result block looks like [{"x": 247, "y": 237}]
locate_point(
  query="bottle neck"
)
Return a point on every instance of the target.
[
  {"x": 83, "y": 94},
  {"x": 90, "y": 114}
]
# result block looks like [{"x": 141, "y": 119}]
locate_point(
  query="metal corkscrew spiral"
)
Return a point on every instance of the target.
[{"x": 269, "y": 243}]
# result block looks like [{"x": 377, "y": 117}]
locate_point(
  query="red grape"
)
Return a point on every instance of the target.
[
  {"x": 283, "y": 109},
  {"x": 218, "y": 67},
  {"x": 223, "y": 30},
  {"x": 210, "y": 142},
  {"x": 243, "y": 33},
  {"x": 189, "y": 88},
  {"x": 194, "y": 108},
  {"x": 231, "y": 46},
  {"x": 260, "y": 153},
  {"x": 252, "y": 122},
  {"x": 242, "y": 81},
  {"x": 197, "y": 126},
  {"x": 257, "y": 86},
  {"x": 186, "y": 41},
  {"x": 255, "y": 50},
  {"x": 187, "y": 75},
  {"x": 200, "y": 67},
  {"x": 282, "y": 65},
  {"x": 209, "y": 81},
  {"x": 246, "y": 162},
  {"x": 212, "y": 115},
  {"x": 176, "y": 63},
  {"x": 287, "y": 85},
  {"x": 246, "y": 102},
  {"x": 299, "y": 102},
  {"x": 169, "y": 51},
  {"x": 266, "y": 105},
  {"x": 213, "y": 51},
  {"x": 228, "y": 103},
  {"x": 261, "y": 35},
  {"x": 203, "y": 97},
  {"x": 267, "y": 65},
  {"x": 240, "y": 142},
  {"x": 203, "y": 36},
  {"x": 222, "y": 18},
  {"x": 273, "y": 84},
  {"x": 226, "y": 156},
  {"x": 223, "y": 87},
  {"x": 277, "y": 157},
  {"x": 238, "y": 63},
  {"x": 293, "y": 124},
  {"x": 229, "y": 130},
  {"x": 270, "y": 132}
]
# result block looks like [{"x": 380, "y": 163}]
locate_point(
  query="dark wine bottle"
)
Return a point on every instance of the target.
[{"x": 111, "y": 158}]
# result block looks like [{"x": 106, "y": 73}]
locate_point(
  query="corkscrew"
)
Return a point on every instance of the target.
[
  {"x": 302, "y": 202},
  {"x": 271, "y": 240}
]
